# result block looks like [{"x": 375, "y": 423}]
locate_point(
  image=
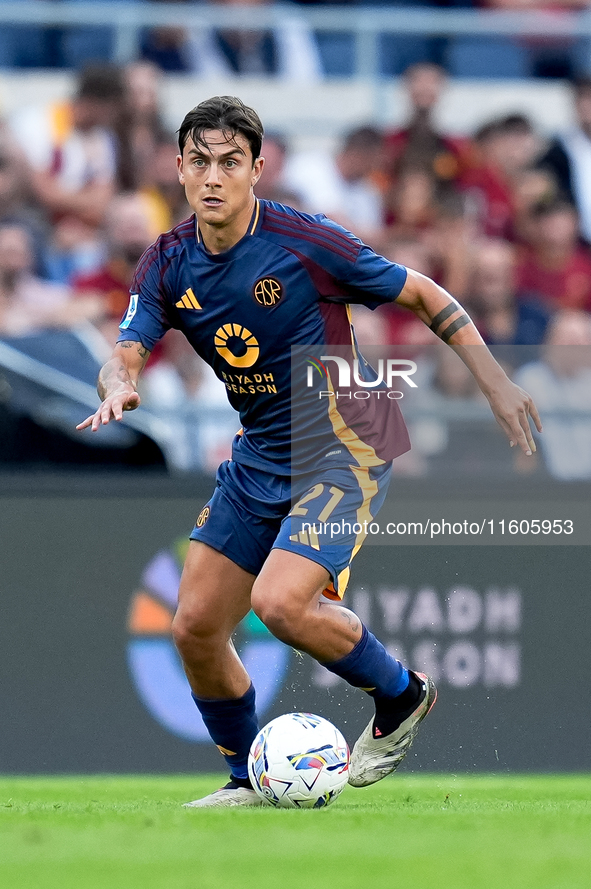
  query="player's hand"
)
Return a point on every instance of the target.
[
  {"x": 124, "y": 398},
  {"x": 513, "y": 407}
]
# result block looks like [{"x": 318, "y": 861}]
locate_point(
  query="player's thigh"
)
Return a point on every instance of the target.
[
  {"x": 214, "y": 593},
  {"x": 332, "y": 517}
]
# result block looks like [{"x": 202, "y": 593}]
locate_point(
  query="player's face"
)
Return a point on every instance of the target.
[{"x": 219, "y": 177}]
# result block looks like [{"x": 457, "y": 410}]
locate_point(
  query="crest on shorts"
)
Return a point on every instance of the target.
[
  {"x": 203, "y": 517},
  {"x": 268, "y": 291}
]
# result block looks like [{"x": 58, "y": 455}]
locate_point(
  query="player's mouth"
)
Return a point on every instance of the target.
[{"x": 212, "y": 201}]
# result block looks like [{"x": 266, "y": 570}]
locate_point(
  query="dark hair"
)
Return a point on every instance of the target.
[
  {"x": 511, "y": 124},
  {"x": 421, "y": 66},
  {"x": 101, "y": 80},
  {"x": 225, "y": 113},
  {"x": 580, "y": 84},
  {"x": 554, "y": 204},
  {"x": 362, "y": 138}
]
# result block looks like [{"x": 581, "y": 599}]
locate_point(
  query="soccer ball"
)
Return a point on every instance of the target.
[{"x": 299, "y": 761}]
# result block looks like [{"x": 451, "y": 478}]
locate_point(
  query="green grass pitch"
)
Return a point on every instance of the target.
[{"x": 408, "y": 832}]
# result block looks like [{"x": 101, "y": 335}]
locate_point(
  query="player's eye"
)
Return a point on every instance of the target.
[{"x": 231, "y": 163}]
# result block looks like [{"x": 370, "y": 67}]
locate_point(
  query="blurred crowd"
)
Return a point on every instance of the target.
[{"x": 501, "y": 218}]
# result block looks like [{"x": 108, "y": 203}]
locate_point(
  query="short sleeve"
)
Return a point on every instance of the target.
[
  {"x": 375, "y": 280},
  {"x": 365, "y": 277},
  {"x": 146, "y": 320}
]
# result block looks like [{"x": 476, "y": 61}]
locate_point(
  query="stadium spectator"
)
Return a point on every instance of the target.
[
  {"x": 502, "y": 314},
  {"x": 288, "y": 50},
  {"x": 568, "y": 157},
  {"x": 532, "y": 186},
  {"x": 410, "y": 202},
  {"x": 341, "y": 186},
  {"x": 72, "y": 152},
  {"x": 17, "y": 202},
  {"x": 504, "y": 148},
  {"x": 398, "y": 329},
  {"x": 161, "y": 188},
  {"x": 140, "y": 126},
  {"x": 129, "y": 230},
  {"x": 28, "y": 303},
  {"x": 71, "y": 148},
  {"x": 272, "y": 185},
  {"x": 418, "y": 142},
  {"x": 451, "y": 238},
  {"x": 561, "y": 383},
  {"x": 556, "y": 267},
  {"x": 439, "y": 217}
]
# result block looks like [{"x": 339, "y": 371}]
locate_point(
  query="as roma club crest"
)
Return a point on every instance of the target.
[
  {"x": 268, "y": 292},
  {"x": 203, "y": 517}
]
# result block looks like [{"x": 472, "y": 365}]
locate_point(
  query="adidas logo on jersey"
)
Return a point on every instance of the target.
[{"x": 188, "y": 301}]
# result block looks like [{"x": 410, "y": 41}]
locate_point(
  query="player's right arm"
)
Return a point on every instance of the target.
[{"x": 117, "y": 384}]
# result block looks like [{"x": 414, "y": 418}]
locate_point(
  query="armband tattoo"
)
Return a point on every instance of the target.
[
  {"x": 447, "y": 333},
  {"x": 442, "y": 316}
]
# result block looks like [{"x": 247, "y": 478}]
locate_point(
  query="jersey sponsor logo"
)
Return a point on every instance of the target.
[
  {"x": 267, "y": 291},
  {"x": 203, "y": 517},
  {"x": 236, "y": 345},
  {"x": 131, "y": 310},
  {"x": 242, "y": 384},
  {"x": 188, "y": 300}
]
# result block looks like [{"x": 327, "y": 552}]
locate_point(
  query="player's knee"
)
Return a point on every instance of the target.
[
  {"x": 191, "y": 632},
  {"x": 278, "y": 617}
]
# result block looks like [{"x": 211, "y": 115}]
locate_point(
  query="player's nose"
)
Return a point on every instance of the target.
[{"x": 213, "y": 175}]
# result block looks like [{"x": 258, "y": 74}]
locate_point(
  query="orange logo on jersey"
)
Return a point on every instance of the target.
[
  {"x": 236, "y": 345},
  {"x": 203, "y": 517},
  {"x": 268, "y": 291}
]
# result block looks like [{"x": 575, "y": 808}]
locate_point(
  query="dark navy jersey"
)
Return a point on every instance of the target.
[{"x": 286, "y": 283}]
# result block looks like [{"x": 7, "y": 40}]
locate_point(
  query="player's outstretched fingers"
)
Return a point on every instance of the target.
[
  {"x": 108, "y": 413},
  {"x": 85, "y": 423},
  {"x": 111, "y": 408}
]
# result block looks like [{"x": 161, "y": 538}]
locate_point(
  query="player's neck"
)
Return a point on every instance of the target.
[{"x": 220, "y": 238}]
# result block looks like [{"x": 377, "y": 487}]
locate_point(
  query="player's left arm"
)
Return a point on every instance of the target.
[{"x": 510, "y": 404}]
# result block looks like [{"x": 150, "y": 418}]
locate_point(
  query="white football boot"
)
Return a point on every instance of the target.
[
  {"x": 374, "y": 758},
  {"x": 230, "y": 795}
]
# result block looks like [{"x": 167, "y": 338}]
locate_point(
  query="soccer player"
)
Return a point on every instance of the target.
[{"x": 245, "y": 280}]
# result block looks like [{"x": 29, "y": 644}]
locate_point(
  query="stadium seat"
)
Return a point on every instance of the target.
[{"x": 486, "y": 57}]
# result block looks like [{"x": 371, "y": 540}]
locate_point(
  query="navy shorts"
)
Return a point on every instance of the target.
[{"x": 323, "y": 516}]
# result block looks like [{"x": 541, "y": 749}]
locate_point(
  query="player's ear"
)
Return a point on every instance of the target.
[
  {"x": 257, "y": 169},
  {"x": 179, "y": 168}
]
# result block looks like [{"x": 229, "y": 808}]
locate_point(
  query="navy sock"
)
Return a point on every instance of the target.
[
  {"x": 371, "y": 668},
  {"x": 233, "y": 726}
]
